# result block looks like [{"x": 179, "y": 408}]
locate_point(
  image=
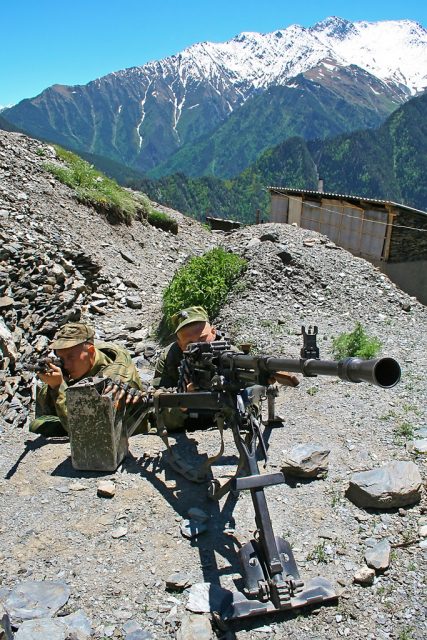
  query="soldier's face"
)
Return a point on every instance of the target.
[
  {"x": 195, "y": 332},
  {"x": 78, "y": 360}
]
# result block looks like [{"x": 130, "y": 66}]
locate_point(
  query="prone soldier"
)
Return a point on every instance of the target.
[
  {"x": 81, "y": 358},
  {"x": 192, "y": 325}
]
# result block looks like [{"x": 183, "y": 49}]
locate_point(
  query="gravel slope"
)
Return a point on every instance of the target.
[{"x": 53, "y": 524}]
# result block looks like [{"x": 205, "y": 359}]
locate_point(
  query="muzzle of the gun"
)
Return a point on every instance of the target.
[{"x": 382, "y": 372}]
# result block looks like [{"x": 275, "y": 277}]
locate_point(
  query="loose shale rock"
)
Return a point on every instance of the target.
[
  {"x": 394, "y": 485},
  {"x": 306, "y": 461}
]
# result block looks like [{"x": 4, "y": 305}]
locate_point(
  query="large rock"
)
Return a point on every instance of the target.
[
  {"x": 394, "y": 485},
  {"x": 42, "y": 630},
  {"x": 419, "y": 445},
  {"x": 134, "y": 302},
  {"x": 306, "y": 461},
  {"x": 32, "y": 599},
  {"x": 79, "y": 624},
  {"x": 205, "y": 597},
  {"x": 195, "y": 627},
  {"x": 365, "y": 575},
  {"x": 75, "y": 626},
  {"x": 378, "y": 556}
]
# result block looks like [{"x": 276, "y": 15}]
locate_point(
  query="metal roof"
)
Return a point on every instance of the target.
[
  {"x": 237, "y": 222},
  {"x": 342, "y": 196}
]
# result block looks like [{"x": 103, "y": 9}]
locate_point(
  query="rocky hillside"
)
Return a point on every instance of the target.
[
  {"x": 61, "y": 260},
  {"x": 113, "y": 558}
]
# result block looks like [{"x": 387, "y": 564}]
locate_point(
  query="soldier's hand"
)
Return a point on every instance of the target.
[
  {"x": 122, "y": 390},
  {"x": 285, "y": 378},
  {"x": 135, "y": 396},
  {"x": 53, "y": 377}
]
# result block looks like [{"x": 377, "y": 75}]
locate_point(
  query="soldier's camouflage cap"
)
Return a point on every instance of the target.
[
  {"x": 187, "y": 316},
  {"x": 72, "y": 334}
]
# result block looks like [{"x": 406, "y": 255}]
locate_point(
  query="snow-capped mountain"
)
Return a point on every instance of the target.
[
  {"x": 332, "y": 77},
  {"x": 393, "y": 51}
]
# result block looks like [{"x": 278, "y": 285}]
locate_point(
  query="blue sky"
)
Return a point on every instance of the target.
[{"x": 43, "y": 42}]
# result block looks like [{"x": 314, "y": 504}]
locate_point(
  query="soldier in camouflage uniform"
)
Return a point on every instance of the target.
[
  {"x": 74, "y": 344},
  {"x": 191, "y": 325}
]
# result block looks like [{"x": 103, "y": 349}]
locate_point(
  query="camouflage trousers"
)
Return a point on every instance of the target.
[{"x": 51, "y": 427}]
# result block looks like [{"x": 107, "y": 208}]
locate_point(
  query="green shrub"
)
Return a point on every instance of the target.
[
  {"x": 355, "y": 344},
  {"x": 162, "y": 221},
  {"x": 319, "y": 553},
  {"x": 404, "y": 430},
  {"x": 205, "y": 281},
  {"x": 94, "y": 188}
]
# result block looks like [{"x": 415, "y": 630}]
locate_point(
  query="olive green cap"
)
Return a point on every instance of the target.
[
  {"x": 71, "y": 334},
  {"x": 187, "y": 316}
]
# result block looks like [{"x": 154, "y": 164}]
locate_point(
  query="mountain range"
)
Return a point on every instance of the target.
[
  {"x": 388, "y": 162},
  {"x": 215, "y": 108}
]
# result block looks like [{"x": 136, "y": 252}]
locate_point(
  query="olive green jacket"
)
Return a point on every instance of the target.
[
  {"x": 111, "y": 361},
  {"x": 167, "y": 367}
]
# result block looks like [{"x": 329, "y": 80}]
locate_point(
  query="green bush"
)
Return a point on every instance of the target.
[
  {"x": 355, "y": 344},
  {"x": 205, "y": 281},
  {"x": 94, "y": 188},
  {"x": 162, "y": 221}
]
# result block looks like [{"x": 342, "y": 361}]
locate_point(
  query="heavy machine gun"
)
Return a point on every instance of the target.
[{"x": 230, "y": 385}]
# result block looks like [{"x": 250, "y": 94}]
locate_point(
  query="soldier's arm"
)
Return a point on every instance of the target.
[
  {"x": 285, "y": 378},
  {"x": 53, "y": 402},
  {"x": 158, "y": 373},
  {"x": 128, "y": 374},
  {"x": 166, "y": 372}
]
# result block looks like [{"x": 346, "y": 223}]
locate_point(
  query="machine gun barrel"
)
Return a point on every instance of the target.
[{"x": 382, "y": 372}]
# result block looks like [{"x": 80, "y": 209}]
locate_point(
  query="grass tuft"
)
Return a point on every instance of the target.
[
  {"x": 162, "y": 221},
  {"x": 94, "y": 188},
  {"x": 355, "y": 344}
]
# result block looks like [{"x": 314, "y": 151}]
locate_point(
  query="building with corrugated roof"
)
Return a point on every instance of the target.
[{"x": 392, "y": 236}]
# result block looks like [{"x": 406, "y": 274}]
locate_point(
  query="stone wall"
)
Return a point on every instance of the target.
[{"x": 406, "y": 244}]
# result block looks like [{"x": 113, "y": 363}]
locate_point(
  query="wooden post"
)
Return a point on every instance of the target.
[{"x": 389, "y": 230}]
